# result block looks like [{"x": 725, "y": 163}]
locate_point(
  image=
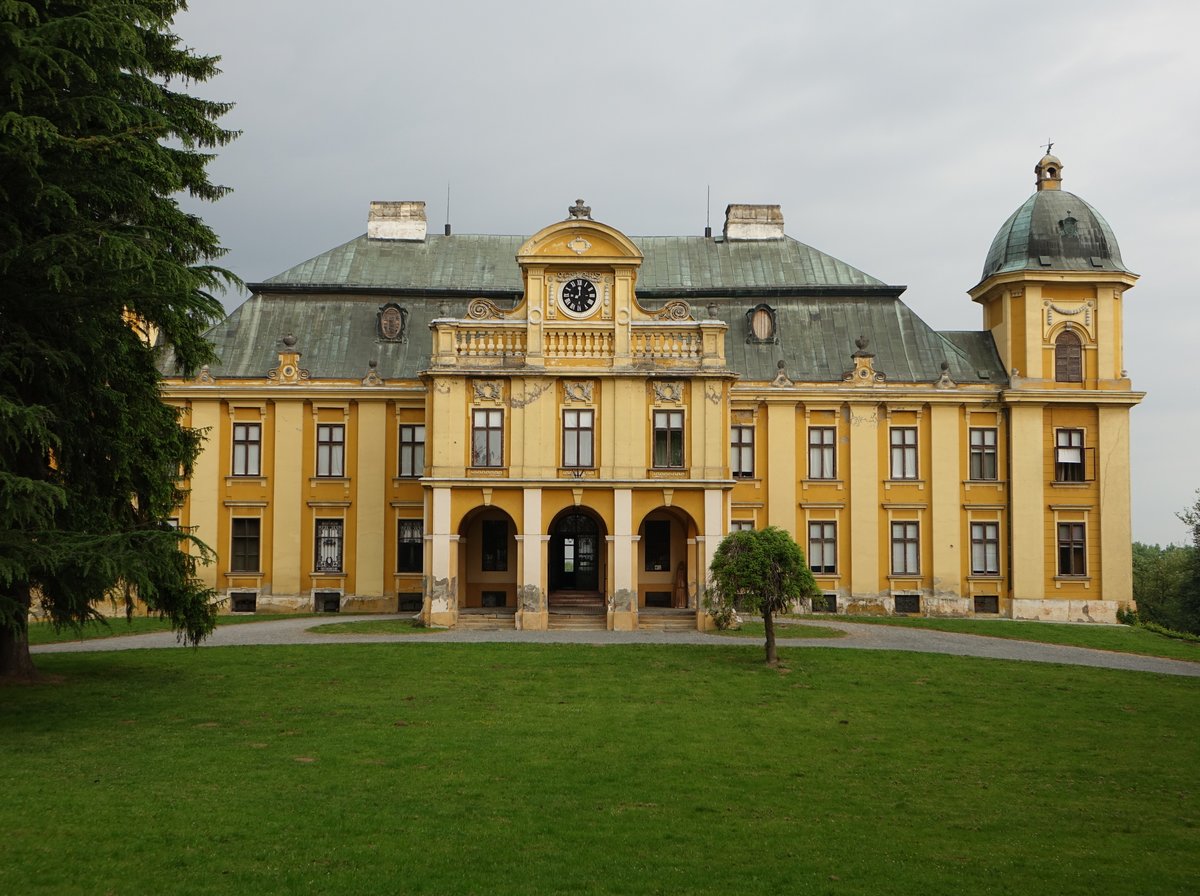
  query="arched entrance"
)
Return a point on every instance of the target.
[{"x": 575, "y": 557}]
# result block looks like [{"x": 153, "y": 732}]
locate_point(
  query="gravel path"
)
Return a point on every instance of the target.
[{"x": 859, "y": 636}]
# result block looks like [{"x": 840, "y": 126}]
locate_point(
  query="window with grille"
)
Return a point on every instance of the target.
[
  {"x": 331, "y": 449},
  {"x": 668, "y": 439},
  {"x": 983, "y": 466},
  {"x": 409, "y": 546},
  {"x": 985, "y": 549},
  {"x": 578, "y": 438},
  {"x": 487, "y": 438},
  {"x": 822, "y": 452},
  {"x": 328, "y": 550},
  {"x": 247, "y": 449},
  {"x": 741, "y": 452},
  {"x": 904, "y": 452},
  {"x": 412, "y": 451},
  {"x": 1068, "y": 455},
  {"x": 906, "y": 548},
  {"x": 822, "y": 546}
]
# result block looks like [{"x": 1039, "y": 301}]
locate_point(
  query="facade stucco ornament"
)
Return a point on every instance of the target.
[
  {"x": 205, "y": 377},
  {"x": 392, "y": 323},
  {"x": 487, "y": 390},
  {"x": 1085, "y": 309},
  {"x": 288, "y": 372},
  {"x": 781, "y": 378},
  {"x": 668, "y": 392},
  {"x": 579, "y": 245},
  {"x": 577, "y": 391},
  {"x": 372, "y": 378},
  {"x": 944, "y": 381},
  {"x": 484, "y": 309},
  {"x": 676, "y": 310},
  {"x": 864, "y": 372}
]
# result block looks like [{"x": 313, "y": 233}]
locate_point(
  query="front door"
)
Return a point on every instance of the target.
[{"x": 574, "y": 554}]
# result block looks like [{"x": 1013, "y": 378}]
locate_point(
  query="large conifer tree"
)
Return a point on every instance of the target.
[{"x": 97, "y": 135}]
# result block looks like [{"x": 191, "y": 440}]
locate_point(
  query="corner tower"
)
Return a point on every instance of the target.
[{"x": 1052, "y": 292}]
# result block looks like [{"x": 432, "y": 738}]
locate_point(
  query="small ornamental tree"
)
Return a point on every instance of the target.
[
  {"x": 765, "y": 571},
  {"x": 98, "y": 263}
]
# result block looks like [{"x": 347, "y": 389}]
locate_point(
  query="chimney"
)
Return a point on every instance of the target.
[
  {"x": 753, "y": 222},
  {"x": 397, "y": 221}
]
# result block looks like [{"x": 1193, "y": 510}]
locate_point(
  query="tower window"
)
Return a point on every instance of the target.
[{"x": 1068, "y": 358}]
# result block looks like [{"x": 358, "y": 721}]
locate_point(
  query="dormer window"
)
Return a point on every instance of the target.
[
  {"x": 393, "y": 323},
  {"x": 761, "y": 325}
]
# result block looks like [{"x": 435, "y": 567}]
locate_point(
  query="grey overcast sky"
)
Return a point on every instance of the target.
[{"x": 897, "y": 136}]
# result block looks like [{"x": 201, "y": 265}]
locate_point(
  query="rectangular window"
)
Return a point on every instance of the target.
[
  {"x": 985, "y": 549},
  {"x": 741, "y": 525},
  {"x": 983, "y": 454},
  {"x": 1072, "y": 550},
  {"x": 578, "y": 438},
  {"x": 495, "y": 545},
  {"x": 822, "y": 547},
  {"x": 741, "y": 452},
  {"x": 668, "y": 439},
  {"x": 487, "y": 438},
  {"x": 327, "y": 553},
  {"x": 409, "y": 546},
  {"x": 904, "y": 452},
  {"x": 247, "y": 449},
  {"x": 1068, "y": 455},
  {"x": 412, "y": 451},
  {"x": 331, "y": 449},
  {"x": 244, "y": 542},
  {"x": 822, "y": 452},
  {"x": 906, "y": 548},
  {"x": 658, "y": 545}
]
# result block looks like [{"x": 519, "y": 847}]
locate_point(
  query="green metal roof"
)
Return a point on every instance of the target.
[
  {"x": 1053, "y": 230},
  {"x": 337, "y": 337},
  {"x": 486, "y": 265},
  {"x": 822, "y": 305}
]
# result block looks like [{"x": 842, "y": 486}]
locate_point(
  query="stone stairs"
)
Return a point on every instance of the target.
[
  {"x": 578, "y": 619},
  {"x": 663, "y": 619},
  {"x": 487, "y": 619}
]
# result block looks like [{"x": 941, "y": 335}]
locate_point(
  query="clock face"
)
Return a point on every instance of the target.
[{"x": 578, "y": 295}]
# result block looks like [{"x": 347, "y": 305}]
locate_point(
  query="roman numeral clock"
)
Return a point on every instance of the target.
[{"x": 577, "y": 297}]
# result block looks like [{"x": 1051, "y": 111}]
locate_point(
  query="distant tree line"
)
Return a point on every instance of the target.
[{"x": 1166, "y": 581}]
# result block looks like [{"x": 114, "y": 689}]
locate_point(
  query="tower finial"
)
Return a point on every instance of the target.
[{"x": 1049, "y": 146}]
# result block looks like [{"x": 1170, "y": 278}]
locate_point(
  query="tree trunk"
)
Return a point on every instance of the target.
[
  {"x": 769, "y": 627},
  {"x": 15, "y": 661}
]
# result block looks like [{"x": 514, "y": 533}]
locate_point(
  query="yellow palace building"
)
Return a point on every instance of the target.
[{"x": 559, "y": 430}]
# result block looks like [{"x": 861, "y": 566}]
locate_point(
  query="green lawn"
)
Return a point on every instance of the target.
[
  {"x": 45, "y": 633},
  {"x": 1121, "y": 638},
  {"x": 517, "y": 768}
]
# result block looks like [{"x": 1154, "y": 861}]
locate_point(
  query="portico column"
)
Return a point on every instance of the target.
[
  {"x": 707, "y": 544},
  {"x": 441, "y": 589},
  {"x": 622, "y": 604},
  {"x": 532, "y": 611}
]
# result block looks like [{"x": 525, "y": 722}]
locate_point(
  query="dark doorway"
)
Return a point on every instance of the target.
[{"x": 575, "y": 554}]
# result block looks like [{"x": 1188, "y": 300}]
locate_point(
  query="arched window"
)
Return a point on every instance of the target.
[{"x": 1068, "y": 358}]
